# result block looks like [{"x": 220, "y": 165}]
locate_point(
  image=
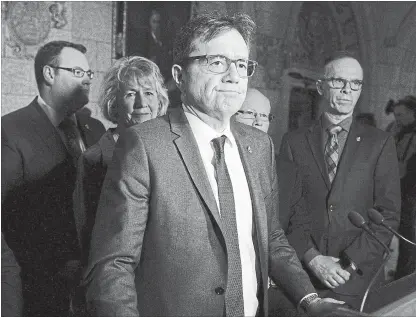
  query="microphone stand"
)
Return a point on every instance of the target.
[
  {"x": 378, "y": 219},
  {"x": 373, "y": 280}
]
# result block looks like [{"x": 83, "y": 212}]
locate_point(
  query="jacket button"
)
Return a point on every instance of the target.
[{"x": 219, "y": 291}]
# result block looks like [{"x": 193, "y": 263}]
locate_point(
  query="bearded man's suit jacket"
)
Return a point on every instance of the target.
[
  {"x": 38, "y": 178},
  {"x": 157, "y": 246},
  {"x": 367, "y": 177}
]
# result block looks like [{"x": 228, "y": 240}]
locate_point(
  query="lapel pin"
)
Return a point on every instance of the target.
[
  {"x": 87, "y": 127},
  {"x": 358, "y": 139},
  {"x": 249, "y": 149}
]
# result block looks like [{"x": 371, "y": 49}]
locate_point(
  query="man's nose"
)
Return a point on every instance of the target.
[
  {"x": 347, "y": 88},
  {"x": 232, "y": 75},
  {"x": 257, "y": 122},
  {"x": 86, "y": 79}
]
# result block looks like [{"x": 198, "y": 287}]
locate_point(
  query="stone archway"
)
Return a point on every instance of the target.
[{"x": 317, "y": 29}]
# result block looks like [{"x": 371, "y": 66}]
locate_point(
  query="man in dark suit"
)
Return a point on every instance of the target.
[
  {"x": 346, "y": 166},
  {"x": 186, "y": 224},
  {"x": 40, "y": 144}
]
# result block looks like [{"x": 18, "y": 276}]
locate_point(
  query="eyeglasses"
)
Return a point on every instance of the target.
[
  {"x": 340, "y": 83},
  {"x": 252, "y": 115},
  {"x": 77, "y": 71},
  {"x": 219, "y": 64}
]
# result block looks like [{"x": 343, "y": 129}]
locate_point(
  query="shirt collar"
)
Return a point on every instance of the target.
[
  {"x": 204, "y": 133},
  {"x": 54, "y": 116},
  {"x": 344, "y": 124}
]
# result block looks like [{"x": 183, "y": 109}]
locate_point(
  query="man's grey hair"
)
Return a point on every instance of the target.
[{"x": 208, "y": 26}]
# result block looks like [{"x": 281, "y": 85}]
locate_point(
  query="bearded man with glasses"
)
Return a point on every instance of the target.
[
  {"x": 347, "y": 166},
  {"x": 40, "y": 145},
  {"x": 186, "y": 224}
]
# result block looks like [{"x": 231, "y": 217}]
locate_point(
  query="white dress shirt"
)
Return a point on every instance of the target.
[{"x": 244, "y": 214}]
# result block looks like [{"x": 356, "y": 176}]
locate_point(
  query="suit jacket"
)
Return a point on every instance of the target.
[
  {"x": 367, "y": 177},
  {"x": 92, "y": 167},
  {"x": 38, "y": 178},
  {"x": 292, "y": 206},
  {"x": 11, "y": 285},
  {"x": 157, "y": 246}
]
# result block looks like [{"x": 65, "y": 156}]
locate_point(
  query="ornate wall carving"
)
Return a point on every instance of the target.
[
  {"x": 28, "y": 24},
  {"x": 269, "y": 55},
  {"x": 323, "y": 27}
]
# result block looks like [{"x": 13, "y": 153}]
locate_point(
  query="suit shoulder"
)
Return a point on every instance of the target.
[
  {"x": 252, "y": 131},
  {"x": 16, "y": 117},
  {"x": 152, "y": 128},
  {"x": 296, "y": 134},
  {"x": 374, "y": 132},
  {"x": 19, "y": 121}
]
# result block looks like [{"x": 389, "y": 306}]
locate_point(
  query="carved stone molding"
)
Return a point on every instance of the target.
[
  {"x": 323, "y": 27},
  {"x": 270, "y": 57},
  {"x": 317, "y": 34},
  {"x": 407, "y": 24},
  {"x": 28, "y": 23}
]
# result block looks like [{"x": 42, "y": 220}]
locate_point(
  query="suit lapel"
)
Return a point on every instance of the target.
[
  {"x": 47, "y": 132},
  {"x": 348, "y": 155},
  {"x": 314, "y": 137},
  {"x": 248, "y": 159},
  {"x": 191, "y": 157},
  {"x": 87, "y": 135}
]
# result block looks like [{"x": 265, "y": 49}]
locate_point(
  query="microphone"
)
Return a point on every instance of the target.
[
  {"x": 378, "y": 219},
  {"x": 358, "y": 221}
]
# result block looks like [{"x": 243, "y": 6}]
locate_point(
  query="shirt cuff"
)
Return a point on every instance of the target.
[
  {"x": 310, "y": 254},
  {"x": 311, "y": 296}
]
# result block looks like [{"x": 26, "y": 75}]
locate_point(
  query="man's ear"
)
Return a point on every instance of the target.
[
  {"x": 319, "y": 87},
  {"x": 177, "y": 75},
  {"x": 48, "y": 75}
]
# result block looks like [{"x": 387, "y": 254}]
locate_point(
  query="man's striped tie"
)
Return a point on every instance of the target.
[{"x": 332, "y": 151}]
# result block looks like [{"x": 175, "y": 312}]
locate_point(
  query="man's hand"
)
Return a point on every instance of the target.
[
  {"x": 328, "y": 307},
  {"x": 329, "y": 271}
]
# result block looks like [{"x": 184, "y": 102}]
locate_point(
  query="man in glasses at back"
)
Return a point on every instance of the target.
[
  {"x": 255, "y": 110},
  {"x": 39, "y": 146},
  {"x": 347, "y": 166}
]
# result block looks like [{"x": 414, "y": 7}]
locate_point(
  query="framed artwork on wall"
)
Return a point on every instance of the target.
[{"x": 148, "y": 28}]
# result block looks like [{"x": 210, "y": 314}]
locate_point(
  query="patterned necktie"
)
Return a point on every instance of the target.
[
  {"x": 234, "y": 302},
  {"x": 332, "y": 151},
  {"x": 72, "y": 137}
]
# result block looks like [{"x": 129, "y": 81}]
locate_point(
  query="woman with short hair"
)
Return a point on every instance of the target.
[{"x": 133, "y": 92}]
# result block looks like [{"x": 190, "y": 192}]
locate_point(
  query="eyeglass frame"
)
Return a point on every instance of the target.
[
  {"x": 89, "y": 73},
  {"x": 256, "y": 114},
  {"x": 228, "y": 60},
  {"x": 345, "y": 81}
]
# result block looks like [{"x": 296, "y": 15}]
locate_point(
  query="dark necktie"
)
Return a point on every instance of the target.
[
  {"x": 72, "y": 138},
  {"x": 234, "y": 302},
  {"x": 332, "y": 151}
]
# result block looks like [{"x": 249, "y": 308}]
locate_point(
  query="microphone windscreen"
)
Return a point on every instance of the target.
[
  {"x": 375, "y": 216},
  {"x": 356, "y": 219}
]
